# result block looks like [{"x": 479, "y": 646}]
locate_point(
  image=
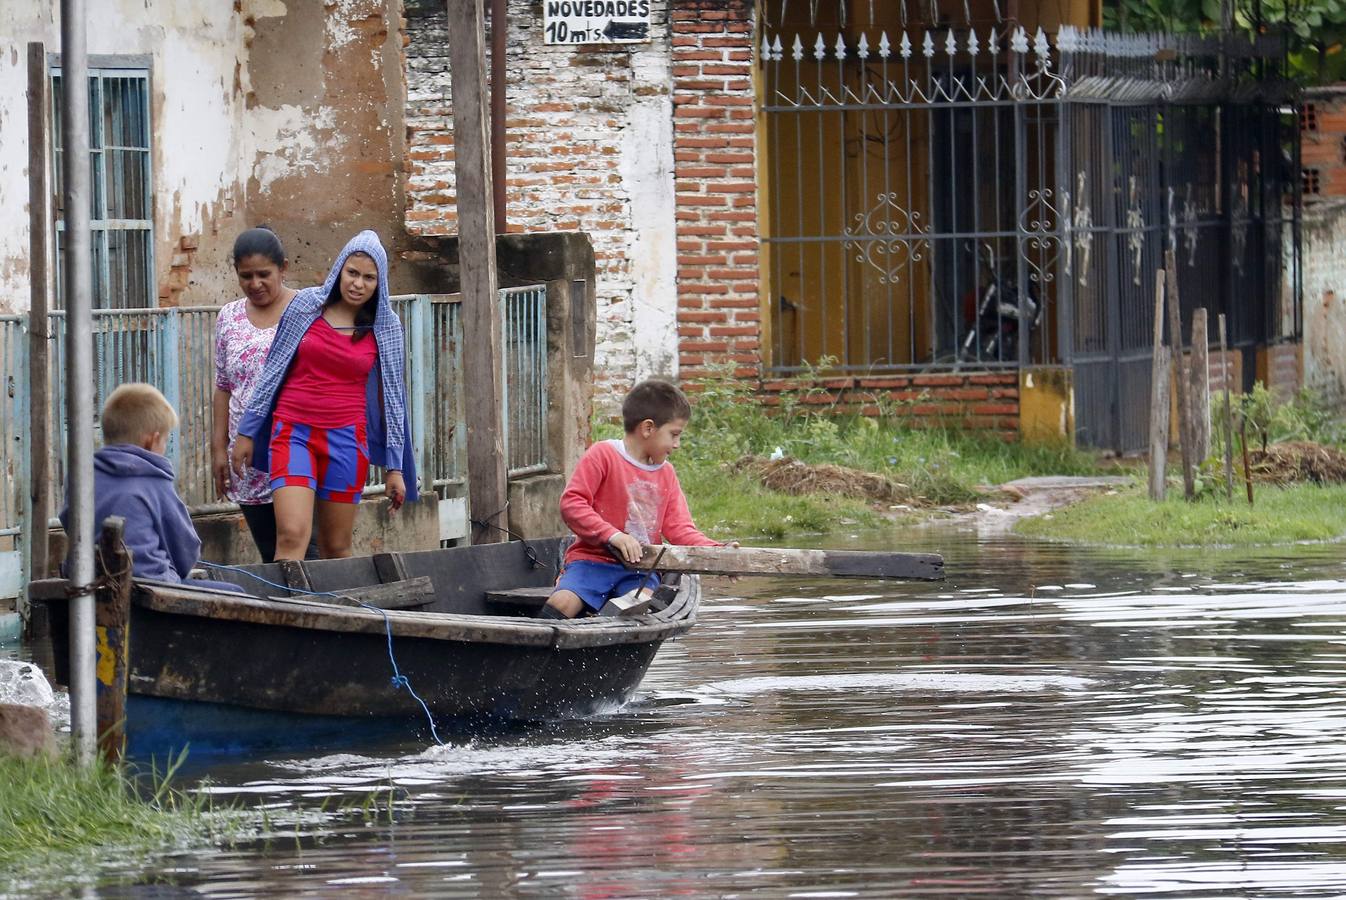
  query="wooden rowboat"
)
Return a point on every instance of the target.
[
  {"x": 180, "y": 664},
  {"x": 334, "y": 650}
]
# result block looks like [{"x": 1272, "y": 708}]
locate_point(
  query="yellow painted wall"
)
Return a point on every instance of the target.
[{"x": 1047, "y": 405}]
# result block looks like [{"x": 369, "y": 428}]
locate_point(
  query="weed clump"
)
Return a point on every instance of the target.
[
  {"x": 1294, "y": 462},
  {"x": 58, "y": 818}
]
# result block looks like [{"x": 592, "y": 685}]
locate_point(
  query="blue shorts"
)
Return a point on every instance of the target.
[
  {"x": 597, "y": 582},
  {"x": 331, "y": 462}
]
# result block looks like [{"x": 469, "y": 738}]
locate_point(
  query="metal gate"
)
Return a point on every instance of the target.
[
  {"x": 914, "y": 218},
  {"x": 1165, "y": 153},
  {"x": 985, "y": 197}
]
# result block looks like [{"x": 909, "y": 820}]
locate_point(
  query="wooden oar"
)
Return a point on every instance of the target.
[{"x": 772, "y": 561}]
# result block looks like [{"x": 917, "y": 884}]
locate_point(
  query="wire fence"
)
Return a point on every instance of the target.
[{"x": 174, "y": 349}]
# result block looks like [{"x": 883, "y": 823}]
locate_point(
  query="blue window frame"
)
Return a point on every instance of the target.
[{"x": 120, "y": 204}]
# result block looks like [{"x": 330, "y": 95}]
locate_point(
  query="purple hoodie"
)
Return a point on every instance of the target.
[{"x": 137, "y": 484}]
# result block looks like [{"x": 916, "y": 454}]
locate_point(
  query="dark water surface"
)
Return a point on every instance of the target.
[{"x": 1047, "y": 722}]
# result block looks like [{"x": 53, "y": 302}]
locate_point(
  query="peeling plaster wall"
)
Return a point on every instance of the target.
[
  {"x": 261, "y": 111},
  {"x": 323, "y": 130},
  {"x": 193, "y": 47}
]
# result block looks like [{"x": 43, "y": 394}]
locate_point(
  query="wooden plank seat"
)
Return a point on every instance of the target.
[
  {"x": 394, "y": 590},
  {"x": 521, "y": 599},
  {"x": 411, "y": 593}
]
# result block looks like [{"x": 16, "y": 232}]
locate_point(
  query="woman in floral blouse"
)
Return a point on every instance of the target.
[{"x": 243, "y": 334}]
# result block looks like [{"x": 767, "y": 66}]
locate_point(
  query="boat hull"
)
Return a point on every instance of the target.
[{"x": 302, "y": 664}]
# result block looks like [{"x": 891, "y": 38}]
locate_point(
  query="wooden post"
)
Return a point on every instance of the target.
[
  {"x": 39, "y": 271},
  {"x": 1180, "y": 382},
  {"x": 1159, "y": 368},
  {"x": 1227, "y": 431},
  {"x": 1199, "y": 374},
  {"x": 112, "y": 621},
  {"x": 499, "y": 33},
  {"x": 487, "y": 488},
  {"x": 1247, "y": 467}
]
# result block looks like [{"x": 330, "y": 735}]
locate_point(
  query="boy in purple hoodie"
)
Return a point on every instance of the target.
[{"x": 133, "y": 479}]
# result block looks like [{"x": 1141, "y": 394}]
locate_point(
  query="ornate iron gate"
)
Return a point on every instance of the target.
[{"x": 946, "y": 198}]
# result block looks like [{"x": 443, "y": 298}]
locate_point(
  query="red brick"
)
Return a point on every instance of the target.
[
  {"x": 938, "y": 380},
  {"x": 996, "y": 409},
  {"x": 740, "y": 187}
]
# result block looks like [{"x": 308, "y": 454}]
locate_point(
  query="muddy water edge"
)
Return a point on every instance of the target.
[{"x": 1049, "y": 721}]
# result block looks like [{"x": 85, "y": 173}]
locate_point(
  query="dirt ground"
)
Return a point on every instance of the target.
[
  {"x": 998, "y": 511},
  {"x": 1025, "y": 497}
]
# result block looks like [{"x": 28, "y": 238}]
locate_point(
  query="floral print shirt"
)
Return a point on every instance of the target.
[{"x": 240, "y": 349}]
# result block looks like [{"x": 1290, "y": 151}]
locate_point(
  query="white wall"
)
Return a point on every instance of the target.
[
  {"x": 1324, "y": 254},
  {"x": 196, "y": 47}
]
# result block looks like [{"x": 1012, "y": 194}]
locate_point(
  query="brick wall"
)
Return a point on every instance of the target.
[
  {"x": 590, "y": 148},
  {"x": 984, "y": 401},
  {"x": 714, "y": 148},
  {"x": 1322, "y": 128},
  {"x": 1283, "y": 368},
  {"x": 179, "y": 276},
  {"x": 1322, "y": 123},
  {"x": 1218, "y": 364}
]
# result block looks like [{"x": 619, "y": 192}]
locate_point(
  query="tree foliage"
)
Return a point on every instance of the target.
[{"x": 1315, "y": 29}]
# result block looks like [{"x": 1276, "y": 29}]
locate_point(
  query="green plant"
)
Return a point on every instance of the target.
[
  {"x": 57, "y": 816},
  {"x": 1314, "y": 29},
  {"x": 1307, "y": 416}
]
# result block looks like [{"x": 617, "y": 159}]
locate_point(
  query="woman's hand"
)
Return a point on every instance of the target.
[
  {"x": 219, "y": 469},
  {"x": 396, "y": 489},
  {"x": 241, "y": 456}
]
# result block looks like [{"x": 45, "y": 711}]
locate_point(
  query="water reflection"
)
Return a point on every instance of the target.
[{"x": 1047, "y": 722}]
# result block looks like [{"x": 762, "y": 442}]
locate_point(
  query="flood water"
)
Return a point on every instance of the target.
[{"x": 1049, "y": 721}]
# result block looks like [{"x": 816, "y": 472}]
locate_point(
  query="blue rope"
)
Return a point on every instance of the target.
[{"x": 399, "y": 680}]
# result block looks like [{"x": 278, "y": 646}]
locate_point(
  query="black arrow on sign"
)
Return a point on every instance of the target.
[{"x": 625, "y": 31}]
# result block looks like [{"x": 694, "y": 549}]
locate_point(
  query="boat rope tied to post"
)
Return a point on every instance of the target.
[
  {"x": 398, "y": 680},
  {"x": 489, "y": 522}
]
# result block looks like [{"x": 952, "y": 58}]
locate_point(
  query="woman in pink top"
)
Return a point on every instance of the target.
[{"x": 243, "y": 334}]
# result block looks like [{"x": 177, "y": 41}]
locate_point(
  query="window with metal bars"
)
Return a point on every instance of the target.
[{"x": 120, "y": 209}]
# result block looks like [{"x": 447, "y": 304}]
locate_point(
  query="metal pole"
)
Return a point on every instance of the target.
[{"x": 79, "y": 372}]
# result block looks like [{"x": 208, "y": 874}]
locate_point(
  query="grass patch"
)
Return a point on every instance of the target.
[
  {"x": 940, "y": 467},
  {"x": 58, "y": 818},
  {"x": 730, "y": 505},
  {"x": 1129, "y": 518}
]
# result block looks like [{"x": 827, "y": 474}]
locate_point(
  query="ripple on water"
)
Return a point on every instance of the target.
[{"x": 1050, "y": 721}]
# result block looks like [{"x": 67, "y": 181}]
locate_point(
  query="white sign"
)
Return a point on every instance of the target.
[{"x": 596, "y": 21}]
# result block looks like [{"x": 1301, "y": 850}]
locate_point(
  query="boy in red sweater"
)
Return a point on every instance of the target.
[{"x": 624, "y": 493}]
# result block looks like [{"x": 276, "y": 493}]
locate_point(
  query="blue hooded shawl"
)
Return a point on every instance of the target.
[{"x": 390, "y": 433}]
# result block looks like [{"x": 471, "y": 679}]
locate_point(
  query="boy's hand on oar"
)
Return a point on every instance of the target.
[
  {"x": 627, "y": 548},
  {"x": 733, "y": 579}
]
